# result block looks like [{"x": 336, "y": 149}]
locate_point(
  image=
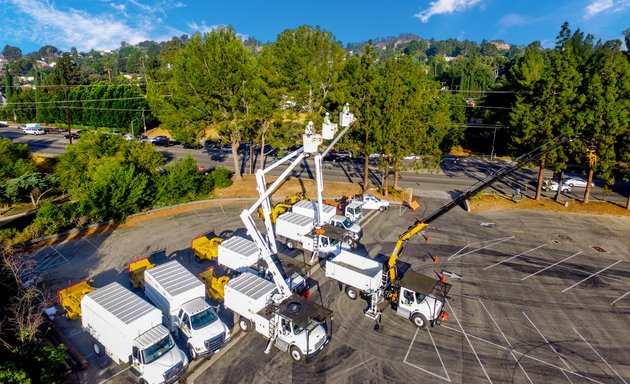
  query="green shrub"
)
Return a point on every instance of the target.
[
  {"x": 7, "y": 235},
  {"x": 222, "y": 177}
]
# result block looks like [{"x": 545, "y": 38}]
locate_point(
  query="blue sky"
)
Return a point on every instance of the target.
[{"x": 103, "y": 24}]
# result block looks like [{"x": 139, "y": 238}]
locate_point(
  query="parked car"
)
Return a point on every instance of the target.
[
  {"x": 227, "y": 148},
  {"x": 141, "y": 137},
  {"x": 576, "y": 181},
  {"x": 552, "y": 185},
  {"x": 215, "y": 144},
  {"x": 194, "y": 145},
  {"x": 344, "y": 155},
  {"x": 74, "y": 135},
  {"x": 375, "y": 155},
  {"x": 4, "y": 124},
  {"x": 34, "y": 131},
  {"x": 160, "y": 140},
  {"x": 128, "y": 137},
  {"x": 57, "y": 130},
  {"x": 450, "y": 160}
]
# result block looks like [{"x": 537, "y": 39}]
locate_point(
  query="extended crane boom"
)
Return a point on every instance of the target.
[{"x": 422, "y": 223}]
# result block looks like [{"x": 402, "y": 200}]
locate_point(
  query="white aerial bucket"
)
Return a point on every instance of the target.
[
  {"x": 329, "y": 131},
  {"x": 311, "y": 143}
]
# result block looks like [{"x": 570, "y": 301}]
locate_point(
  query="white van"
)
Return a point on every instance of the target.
[{"x": 34, "y": 130}]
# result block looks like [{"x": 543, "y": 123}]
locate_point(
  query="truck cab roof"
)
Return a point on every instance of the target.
[
  {"x": 195, "y": 306},
  {"x": 426, "y": 285},
  {"x": 149, "y": 338},
  {"x": 301, "y": 311}
]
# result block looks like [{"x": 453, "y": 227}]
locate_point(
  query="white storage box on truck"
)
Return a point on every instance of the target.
[
  {"x": 182, "y": 299},
  {"x": 297, "y": 231},
  {"x": 360, "y": 274},
  {"x": 294, "y": 325},
  {"x": 329, "y": 215},
  {"x": 130, "y": 329},
  {"x": 242, "y": 255}
]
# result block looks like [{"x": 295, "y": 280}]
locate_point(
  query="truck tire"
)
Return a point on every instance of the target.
[
  {"x": 98, "y": 349},
  {"x": 296, "y": 354},
  {"x": 193, "y": 354},
  {"x": 350, "y": 241},
  {"x": 245, "y": 324},
  {"x": 352, "y": 292},
  {"x": 198, "y": 259},
  {"x": 381, "y": 209},
  {"x": 290, "y": 244},
  {"x": 419, "y": 320}
]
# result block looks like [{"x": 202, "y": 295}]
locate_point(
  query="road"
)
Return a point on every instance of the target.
[{"x": 449, "y": 179}]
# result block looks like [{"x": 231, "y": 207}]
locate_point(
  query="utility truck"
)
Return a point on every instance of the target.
[
  {"x": 345, "y": 206},
  {"x": 299, "y": 231},
  {"x": 182, "y": 299},
  {"x": 292, "y": 324},
  {"x": 329, "y": 216},
  {"x": 129, "y": 329}
]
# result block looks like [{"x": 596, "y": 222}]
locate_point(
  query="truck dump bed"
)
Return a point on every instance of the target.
[
  {"x": 355, "y": 270},
  {"x": 115, "y": 316}
]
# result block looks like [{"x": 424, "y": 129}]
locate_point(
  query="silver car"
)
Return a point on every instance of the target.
[{"x": 576, "y": 182}]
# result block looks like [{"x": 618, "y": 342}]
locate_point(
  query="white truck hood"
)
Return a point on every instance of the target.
[
  {"x": 154, "y": 372},
  {"x": 316, "y": 339},
  {"x": 211, "y": 330}
]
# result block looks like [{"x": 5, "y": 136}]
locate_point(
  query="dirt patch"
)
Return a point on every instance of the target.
[{"x": 501, "y": 202}]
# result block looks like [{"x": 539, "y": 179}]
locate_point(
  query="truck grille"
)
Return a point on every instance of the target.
[
  {"x": 174, "y": 373},
  {"x": 215, "y": 343}
]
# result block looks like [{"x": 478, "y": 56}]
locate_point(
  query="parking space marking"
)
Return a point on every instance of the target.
[
  {"x": 145, "y": 227},
  {"x": 549, "y": 266},
  {"x": 506, "y": 340},
  {"x": 550, "y": 346},
  {"x": 515, "y": 256},
  {"x": 494, "y": 242},
  {"x": 176, "y": 223},
  {"x": 114, "y": 375},
  {"x": 50, "y": 261},
  {"x": 522, "y": 354},
  {"x": 91, "y": 243},
  {"x": 620, "y": 297},
  {"x": 467, "y": 339},
  {"x": 600, "y": 356},
  {"x": 592, "y": 275},
  {"x": 447, "y": 378}
]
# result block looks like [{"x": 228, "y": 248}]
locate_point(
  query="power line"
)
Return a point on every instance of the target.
[
  {"x": 85, "y": 85},
  {"x": 73, "y": 101}
]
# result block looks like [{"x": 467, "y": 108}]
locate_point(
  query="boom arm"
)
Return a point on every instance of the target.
[{"x": 420, "y": 224}]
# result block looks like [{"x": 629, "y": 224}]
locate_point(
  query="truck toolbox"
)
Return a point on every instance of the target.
[
  {"x": 355, "y": 270},
  {"x": 310, "y": 209},
  {"x": 294, "y": 226},
  {"x": 238, "y": 252},
  {"x": 248, "y": 293}
]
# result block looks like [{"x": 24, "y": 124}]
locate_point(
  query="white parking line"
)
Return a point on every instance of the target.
[
  {"x": 620, "y": 297},
  {"x": 91, "y": 243},
  {"x": 600, "y": 356},
  {"x": 592, "y": 275},
  {"x": 522, "y": 354},
  {"x": 60, "y": 254},
  {"x": 550, "y": 346},
  {"x": 506, "y": 340},
  {"x": 447, "y": 378},
  {"x": 467, "y": 339},
  {"x": 549, "y": 266},
  {"x": 114, "y": 375},
  {"x": 494, "y": 242},
  {"x": 176, "y": 223},
  {"x": 515, "y": 256}
]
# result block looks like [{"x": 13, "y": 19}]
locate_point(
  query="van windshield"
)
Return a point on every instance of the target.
[
  {"x": 158, "y": 349},
  {"x": 203, "y": 318}
]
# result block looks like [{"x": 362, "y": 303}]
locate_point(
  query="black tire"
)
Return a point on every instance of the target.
[
  {"x": 199, "y": 260},
  {"x": 296, "y": 354},
  {"x": 290, "y": 244},
  {"x": 350, "y": 241},
  {"x": 381, "y": 209},
  {"x": 419, "y": 320},
  {"x": 352, "y": 293},
  {"x": 244, "y": 324},
  {"x": 193, "y": 354},
  {"x": 98, "y": 349}
]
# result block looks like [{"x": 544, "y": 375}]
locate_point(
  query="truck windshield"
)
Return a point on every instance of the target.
[
  {"x": 297, "y": 329},
  {"x": 158, "y": 349},
  {"x": 203, "y": 318},
  {"x": 347, "y": 223}
]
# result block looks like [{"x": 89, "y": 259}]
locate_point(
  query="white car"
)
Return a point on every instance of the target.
[
  {"x": 34, "y": 131},
  {"x": 576, "y": 182},
  {"x": 552, "y": 185}
]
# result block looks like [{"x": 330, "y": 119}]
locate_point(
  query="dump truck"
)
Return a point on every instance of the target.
[
  {"x": 182, "y": 299},
  {"x": 129, "y": 330}
]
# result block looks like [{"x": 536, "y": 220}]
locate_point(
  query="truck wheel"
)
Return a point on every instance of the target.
[
  {"x": 419, "y": 320},
  {"x": 193, "y": 353},
  {"x": 350, "y": 241},
  {"x": 290, "y": 244},
  {"x": 352, "y": 293},
  {"x": 97, "y": 349},
  {"x": 381, "y": 209},
  {"x": 296, "y": 354},
  {"x": 198, "y": 259},
  {"x": 245, "y": 324}
]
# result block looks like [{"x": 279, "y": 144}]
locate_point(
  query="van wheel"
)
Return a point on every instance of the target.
[
  {"x": 193, "y": 353},
  {"x": 296, "y": 354},
  {"x": 244, "y": 324},
  {"x": 352, "y": 293},
  {"x": 381, "y": 209},
  {"x": 419, "y": 320},
  {"x": 97, "y": 349},
  {"x": 290, "y": 244}
]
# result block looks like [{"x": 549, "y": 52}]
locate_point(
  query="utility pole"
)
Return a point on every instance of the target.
[
  {"x": 144, "y": 122},
  {"x": 493, "y": 138},
  {"x": 65, "y": 91}
]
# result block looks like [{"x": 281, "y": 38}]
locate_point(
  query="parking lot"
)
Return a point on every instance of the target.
[{"x": 544, "y": 297}]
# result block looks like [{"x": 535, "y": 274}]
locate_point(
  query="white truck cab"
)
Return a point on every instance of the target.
[
  {"x": 353, "y": 228},
  {"x": 201, "y": 326},
  {"x": 421, "y": 299},
  {"x": 155, "y": 358}
]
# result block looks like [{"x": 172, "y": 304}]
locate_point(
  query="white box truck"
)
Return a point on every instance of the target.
[
  {"x": 182, "y": 299},
  {"x": 242, "y": 255},
  {"x": 295, "y": 325},
  {"x": 297, "y": 231},
  {"x": 129, "y": 329},
  {"x": 359, "y": 273},
  {"x": 330, "y": 216}
]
